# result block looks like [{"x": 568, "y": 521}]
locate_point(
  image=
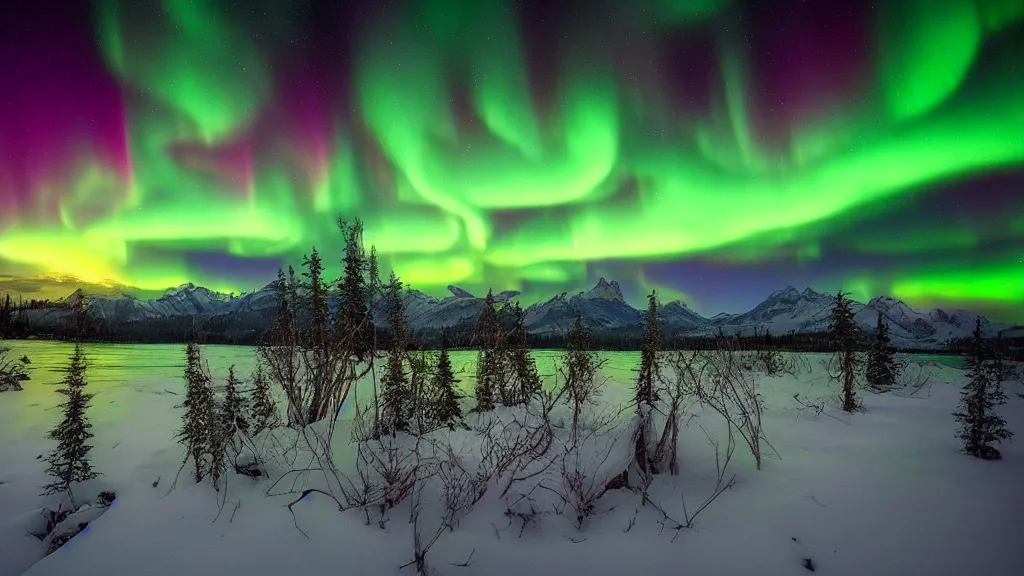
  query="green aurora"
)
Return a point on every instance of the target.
[{"x": 471, "y": 166}]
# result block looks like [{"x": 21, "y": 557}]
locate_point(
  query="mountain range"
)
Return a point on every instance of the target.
[{"x": 603, "y": 308}]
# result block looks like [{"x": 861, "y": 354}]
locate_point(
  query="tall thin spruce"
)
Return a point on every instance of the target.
[
  {"x": 524, "y": 367},
  {"x": 881, "y": 371},
  {"x": 262, "y": 410},
  {"x": 446, "y": 409},
  {"x": 845, "y": 336},
  {"x": 69, "y": 461},
  {"x": 489, "y": 370},
  {"x": 580, "y": 365},
  {"x": 198, "y": 420},
  {"x": 645, "y": 394},
  {"x": 395, "y": 393},
  {"x": 980, "y": 424}
]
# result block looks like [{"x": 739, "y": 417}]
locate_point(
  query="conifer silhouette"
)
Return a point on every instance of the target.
[
  {"x": 524, "y": 366},
  {"x": 881, "y": 371},
  {"x": 644, "y": 394},
  {"x": 198, "y": 422},
  {"x": 69, "y": 461},
  {"x": 234, "y": 409},
  {"x": 353, "y": 317},
  {"x": 446, "y": 409},
  {"x": 980, "y": 425},
  {"x": 262, "y": 410},
  {"x": 489, "y": 364},
  {"x": 845, "y": 335},
  {"x": 395, "y": 392}
]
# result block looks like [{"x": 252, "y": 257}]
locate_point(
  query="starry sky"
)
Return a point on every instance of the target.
[{"x": 714, "y": 150}]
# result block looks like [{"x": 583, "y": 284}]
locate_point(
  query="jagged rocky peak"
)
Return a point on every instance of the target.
[
  {"x": 677, "y": 304},
  {"x": 186, "y": 287},
  {"x": 884, "y": 302},
  {"x": 787, "y": 293},
  {"x": 810, "y": 294},
  {"x": 78, "y": 293},
  {"x": 506, "y": 295},
  {"x": 459, "y": 292},
  {"x": 605, "y": 290}
]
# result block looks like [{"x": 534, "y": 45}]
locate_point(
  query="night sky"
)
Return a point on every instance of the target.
[{"x": 712, "y": 150}]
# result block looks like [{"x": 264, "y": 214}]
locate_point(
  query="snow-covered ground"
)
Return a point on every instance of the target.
[{"x": 882, "y": 492}]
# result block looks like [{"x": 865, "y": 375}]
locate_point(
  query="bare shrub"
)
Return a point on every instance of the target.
[
  {"x": 721, "y": 471},
  {"x": 596, "y": 453},
  {"x": 461, "y": 489},
  {"x": 718, "y": 379},
  {"x": 911, "y": 382},
  {"x": 723, "y": 482}
]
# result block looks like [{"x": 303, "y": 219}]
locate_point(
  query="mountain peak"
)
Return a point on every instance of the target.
[
  {"x": 186, "y": 287},
  {"x": 788, "y": 293},
  {"x": 459, "y": 292},
  {"x": 884, "y": 302},
  {"x": 605, "y": 290}
]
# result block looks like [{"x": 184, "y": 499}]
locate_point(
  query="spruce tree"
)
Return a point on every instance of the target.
[
  {"x": 198, "y": 422},
  {"x": 845, "y": 335},
  {"x": 644, "y": 392},
  {"x": 446, "y": 409},
  {"x": 524, "y": 366},
  {"x": 353, "y": 317},
  {"x": 644, "y": 395},
  {"x": 580, "y": 365},
  {"x": 234, "y": 406},
  {"x": 69, "y": 462},
  {"x": 395, "y": 383},
  {"x": 284, "y": 321},
  {"x": 316, "y": 335},
  {"x": 229, "y": 421},
  {"x": 489, "y": 369},
  {"x": 881, "y": 369},
  {"x": 980, "y": 425},
  {"x": 262, "y": 410}
]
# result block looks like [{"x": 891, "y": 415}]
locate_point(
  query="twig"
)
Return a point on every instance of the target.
[{"x": 466, "y": 563}]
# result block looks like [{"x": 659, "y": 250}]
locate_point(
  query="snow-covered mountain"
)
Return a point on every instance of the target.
[
  {"x": 784, "y": 311},
  {"x": 500, "y": 297},
  {"x": 911, "y": 325},
  {"x": 602, "y": 308},
  {"x": 677, "y": 316},
  {"x": 791, "y": 311}
]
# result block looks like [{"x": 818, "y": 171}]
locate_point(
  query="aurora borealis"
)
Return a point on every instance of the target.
[{"x": 715, "y": 150}]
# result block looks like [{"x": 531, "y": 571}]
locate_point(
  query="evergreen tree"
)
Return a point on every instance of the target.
[
  {"x": 395, "y": 383},
  {"x": 489, "y": 369},
  {"x": 234, "y": 407},
  {"x": 263, "y": 411},
  {"x": 446, "y": 409},
  {"x": 580, "y": 365},
  {"x": 881, "y": 369},
  {"x": 845, "y": 335},
  {"x": 644, "y": 393},
  {"x": 69, "y": 462},
  {"x": 230, "y": 420},
  {"x": 353, "y": 318},
  {"x": 198, "y": 422},
  {"x": 316, "y": 335},
  {"x": 524, "y": 366},
  {"x": 980, "y": 425}
]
